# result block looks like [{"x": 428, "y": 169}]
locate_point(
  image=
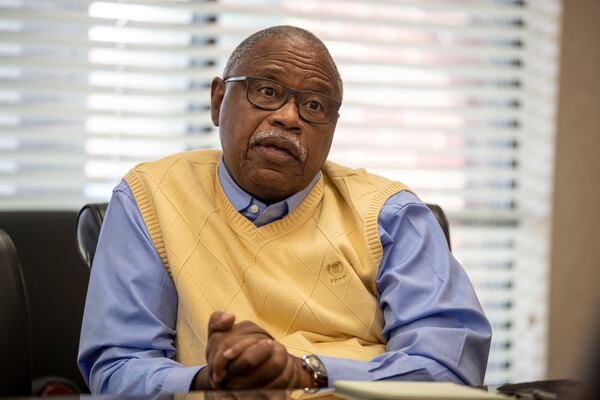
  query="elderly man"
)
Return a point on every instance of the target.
[{"x": 268, "y": 266}]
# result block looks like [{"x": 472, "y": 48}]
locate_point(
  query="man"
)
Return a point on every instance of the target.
[{"x": 267, "y": 266}]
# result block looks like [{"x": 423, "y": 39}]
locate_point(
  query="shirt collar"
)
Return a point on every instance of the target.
[{"x": 240, "y": 199}]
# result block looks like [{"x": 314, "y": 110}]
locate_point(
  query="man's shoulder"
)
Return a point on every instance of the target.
[
  {"x": 192, "y": 157},
  {"x": 336, "y": 171},
  {"x": 177, "y": 170},
  {"x": 404, "y": 198}
]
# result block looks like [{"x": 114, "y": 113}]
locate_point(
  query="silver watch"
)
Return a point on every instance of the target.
[{"x": 316, "y": 368}]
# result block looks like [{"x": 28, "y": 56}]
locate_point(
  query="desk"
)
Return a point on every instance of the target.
[
  {"x": 564, "y": 390},
  {"x": 324, "y": 394}
]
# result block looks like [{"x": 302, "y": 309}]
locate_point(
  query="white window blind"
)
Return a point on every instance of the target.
[{"x": 454, "y": 98}]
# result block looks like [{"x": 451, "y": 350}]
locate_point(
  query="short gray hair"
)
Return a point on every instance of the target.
[{"x": 243, "y": 51}]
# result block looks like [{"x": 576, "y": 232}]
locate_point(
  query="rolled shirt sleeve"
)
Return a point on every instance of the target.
[{"x": 434, "y": 325}]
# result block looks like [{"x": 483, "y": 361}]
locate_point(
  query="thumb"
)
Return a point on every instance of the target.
[{"x": 220, "y": 322}]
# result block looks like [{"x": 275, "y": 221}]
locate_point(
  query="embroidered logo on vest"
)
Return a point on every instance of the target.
[{"x": 336, "y": 272}]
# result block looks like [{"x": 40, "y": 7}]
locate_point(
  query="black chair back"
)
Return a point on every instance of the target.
[
  {"x": 56, "y": 284},
  {"x": 89, "y": 222},
  {"x": 442, "y": 220},
  {"x": 15, "y": 324}
]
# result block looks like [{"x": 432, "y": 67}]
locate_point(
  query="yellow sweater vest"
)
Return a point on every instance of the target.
[{"x": 308, "y": 279}]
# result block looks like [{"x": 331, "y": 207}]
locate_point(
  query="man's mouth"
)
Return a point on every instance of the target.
[
  {"x": 278, "y": 147},
  {"x": 275, "y": 154},
  {"x": 278, "y": 144}
]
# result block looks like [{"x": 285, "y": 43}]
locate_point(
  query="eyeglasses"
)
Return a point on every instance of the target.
[{"x": 270, "y": 95}]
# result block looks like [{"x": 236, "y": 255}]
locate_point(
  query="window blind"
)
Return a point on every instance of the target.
[{"x": 454, "y": 98}]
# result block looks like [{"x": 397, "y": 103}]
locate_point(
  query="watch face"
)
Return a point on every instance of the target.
[
  {"x": 316, "y": 365},
  {"x": 317, "y": 369}
]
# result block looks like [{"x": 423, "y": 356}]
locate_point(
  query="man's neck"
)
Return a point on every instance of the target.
[{"x": 240, "y": 198}]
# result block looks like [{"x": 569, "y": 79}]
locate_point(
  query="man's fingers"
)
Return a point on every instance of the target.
[
  {"x": 251, "y": 358},
  {"x": 259, "y": 378},
  {"x": 285, "y": 368},
  {"x": 220, "y": 322},
  {"x": 238, "y": 347},
  {"x": 263, "y": 375},
  {"x": 220, "y": 360},
  {"x": 228, "y": 341}
]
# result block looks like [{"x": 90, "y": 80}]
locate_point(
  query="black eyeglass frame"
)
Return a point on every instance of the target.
[{"x": 289, "y": 91}]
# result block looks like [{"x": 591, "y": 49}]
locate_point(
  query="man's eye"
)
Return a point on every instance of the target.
[
  {"x": 313, "y": 105},
  {"x": 267, "y": 91}
]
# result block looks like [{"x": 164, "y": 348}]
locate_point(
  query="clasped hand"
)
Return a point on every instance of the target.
[{"x": 245, "y": 356}]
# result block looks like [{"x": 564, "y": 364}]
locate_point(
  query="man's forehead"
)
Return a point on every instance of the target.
[{"x": 283, "y": 58}]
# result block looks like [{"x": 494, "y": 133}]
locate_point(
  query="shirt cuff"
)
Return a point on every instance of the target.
[
  {"x": 341, "y": 368},
  {"x": 179, "y": 380},
  {"x": 413, "y": 369}
]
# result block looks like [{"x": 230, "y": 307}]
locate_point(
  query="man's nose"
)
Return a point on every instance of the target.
[{"x": 287, "y": 116}]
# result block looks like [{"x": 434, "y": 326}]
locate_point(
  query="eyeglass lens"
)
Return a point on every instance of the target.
[{"x": 271, "y": 96}]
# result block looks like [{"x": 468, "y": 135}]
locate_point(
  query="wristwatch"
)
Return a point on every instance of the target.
[{"x": 316, "y": 368}]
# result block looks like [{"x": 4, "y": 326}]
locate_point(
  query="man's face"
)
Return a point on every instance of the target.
[{"x": 274, "y": 154}]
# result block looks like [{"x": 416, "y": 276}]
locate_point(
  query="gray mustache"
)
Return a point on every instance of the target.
[{"x": 282, "y": 135}]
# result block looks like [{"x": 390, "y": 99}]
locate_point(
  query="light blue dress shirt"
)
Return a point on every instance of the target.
[{"x": 434, "y": 326}]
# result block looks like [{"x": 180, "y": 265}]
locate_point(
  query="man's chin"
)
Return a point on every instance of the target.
[{"x": 272, "y": 185}]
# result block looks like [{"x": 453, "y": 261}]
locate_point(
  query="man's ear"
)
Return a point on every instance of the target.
[{"x": 217, "y": 92}]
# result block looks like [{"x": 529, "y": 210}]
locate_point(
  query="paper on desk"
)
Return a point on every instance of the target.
[{"x": 412, "y": 391}]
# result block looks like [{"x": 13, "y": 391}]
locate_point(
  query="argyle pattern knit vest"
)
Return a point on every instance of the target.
[{"x": 308, "y": 279}]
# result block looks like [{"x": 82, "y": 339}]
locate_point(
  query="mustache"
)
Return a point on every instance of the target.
[{"x": 288, "y": 138}]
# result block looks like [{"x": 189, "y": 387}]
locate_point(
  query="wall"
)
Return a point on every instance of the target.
[{"x": 575, "y": 271}]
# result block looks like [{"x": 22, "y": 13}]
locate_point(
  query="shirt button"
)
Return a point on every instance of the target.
[{"x": 254, "y": 208}]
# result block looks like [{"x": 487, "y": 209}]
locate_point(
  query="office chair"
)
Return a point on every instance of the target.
[
  {"x": 440, "y": 216},
  {"x": 16, "y": 360},
  {"x": 90, "y": 217},
  {"x": 89, "y": 222},
  {"x": 15, "y": 324}
]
